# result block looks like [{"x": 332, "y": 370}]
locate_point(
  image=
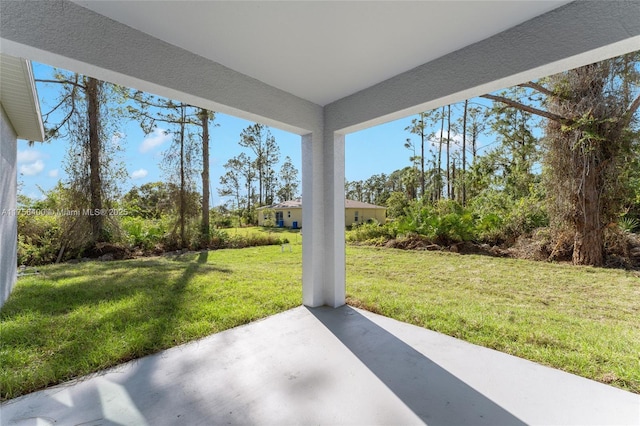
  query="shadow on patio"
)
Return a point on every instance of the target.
[
  {"x": 436, "y": 396},
  {"x": 327, "y": 366}
]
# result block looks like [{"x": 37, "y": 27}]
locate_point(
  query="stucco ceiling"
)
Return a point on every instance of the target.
[{"x": 321, "y": 51}]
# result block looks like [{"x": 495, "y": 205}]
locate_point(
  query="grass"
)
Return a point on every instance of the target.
[
  {"x": 579, "y": 319},
  {"x": 76, "y": 319}
]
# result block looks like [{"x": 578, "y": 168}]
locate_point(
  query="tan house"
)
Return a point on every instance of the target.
[{"x": 288, "y": 214}]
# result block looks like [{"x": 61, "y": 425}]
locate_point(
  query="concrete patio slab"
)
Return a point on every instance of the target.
[{"x": 327, "y": 366}]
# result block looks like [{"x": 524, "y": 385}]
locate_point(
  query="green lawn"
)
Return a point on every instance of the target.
[
  {"x": 75, "y": 319},
  {"x": 579, "y": 319}
]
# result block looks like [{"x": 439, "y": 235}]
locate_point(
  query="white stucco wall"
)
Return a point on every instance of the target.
[{"x": 8, "y": 222}]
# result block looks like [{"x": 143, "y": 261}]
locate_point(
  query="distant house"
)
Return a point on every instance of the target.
[
  {"x": 288, "y": 214},
  {"x": 19, "y": 119}
]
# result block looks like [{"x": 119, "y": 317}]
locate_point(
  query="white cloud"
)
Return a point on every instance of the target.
[
  {"x": 32, "y": 169},
  {"x": 53, "y": 173},
  {"x": 155, "y": 139},
  {"x": 139, "y": 174},
  {"x": 29, "y": 156}
]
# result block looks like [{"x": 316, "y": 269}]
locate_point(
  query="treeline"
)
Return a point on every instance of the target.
[
  {"x": 88, "y": 115},
  {"x": 562, "y": 154}
]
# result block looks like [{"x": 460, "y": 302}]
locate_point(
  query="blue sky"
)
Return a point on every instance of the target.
[{"x": 375, "y": 150}]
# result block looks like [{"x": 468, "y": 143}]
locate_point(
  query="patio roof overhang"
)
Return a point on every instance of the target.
[
  {"x": 19, "y": 99},
  {"x": 285, "y": 64}
]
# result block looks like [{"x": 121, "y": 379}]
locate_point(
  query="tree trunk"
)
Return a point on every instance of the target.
[
  {"x": 204, "y": 117},
  {"x": 422, "y": 155},
  {"x": 449, "y": 183},
  {"x": 464, "y": 153},
  {"x": 588, "y": 246},
  {"x": 95, "y": 181},
  {"x": 439, "y": 178},
  {"x": 182, "y": 178}
]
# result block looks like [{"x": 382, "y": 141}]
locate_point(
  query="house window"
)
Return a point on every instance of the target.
[{"x": 356, "y": 217}]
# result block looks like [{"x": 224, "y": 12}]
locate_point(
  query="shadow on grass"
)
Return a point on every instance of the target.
[
  {"x": 277, "y": 230},
  {"x": 97, "y": 322},
  {"x": 104, "y": 283}
]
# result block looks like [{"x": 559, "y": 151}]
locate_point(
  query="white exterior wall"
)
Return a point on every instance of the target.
[{"x": 8, "y": 193}]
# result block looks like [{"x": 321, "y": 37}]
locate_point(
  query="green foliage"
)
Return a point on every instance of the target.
[
  {"x": 221, "y": 219},
  {"x": 629, "y": 224},
  {"x": 445, "y": 222},
  {"x": 492, "y": 217},
  {"x": 269, "y": 216},
  {"x": 149, "y": 201},
  {"x": 502, "y": 218},
  {"x": 370, "y": 233},
  {"x": 39, "y": 239},
  {"x": 144, "y": 234},
  {"x": 396, "y": 204}
]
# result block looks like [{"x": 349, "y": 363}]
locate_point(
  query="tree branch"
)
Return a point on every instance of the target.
[
  {"x": 631, "y": 111},
  {"x": 64, "y": 99},
  {"x": 73, "y": 83},
  {"x": 538, "y": 87},
  {"x": 528, "y": 108}
]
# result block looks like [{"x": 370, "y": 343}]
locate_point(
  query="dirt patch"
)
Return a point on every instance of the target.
[{"x": 108, "y": 251}]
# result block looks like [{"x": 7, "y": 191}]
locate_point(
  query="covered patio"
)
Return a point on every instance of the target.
[{"x": 322, "y": 70}]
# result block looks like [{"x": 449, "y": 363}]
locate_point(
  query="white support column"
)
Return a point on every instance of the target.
[
  {"x": 334, "y": 241},
  {"x": 323, "y": 250},
  {"x": 312, "y": 221}
]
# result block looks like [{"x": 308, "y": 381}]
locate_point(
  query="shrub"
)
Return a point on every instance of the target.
[
  {"x": 629, "y": 224},
  {"x": 370, "y": 231},
  {"x": 143, "y": 233},
  {"x": 40, "y": 239}
]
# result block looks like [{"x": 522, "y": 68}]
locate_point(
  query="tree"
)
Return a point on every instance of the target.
[
  {"x": 396, "y": 205},
  {"x": 590, "y": 112},
  {"x": 239, "y": 168},
  {"x": 418, "y": 127},
  {"x": 519, "y": 150},
  {"x": 449, "y": 183},
  {"x": 258, "y": 139},
  {"x": 182, "y": 118},
  {"x": 178, "y": 162},
  {"x": 464, "y": 152},
  {"x": 231, "y": 185},
  {"x": 91, "y": 162},
  {"x": 475, "y": 127},
  {"x": 288, "y": 181},
  {"x": 205, "y": 116},
  {"x": 439, "y": 168},
  {"x": 149, "y": 201}
]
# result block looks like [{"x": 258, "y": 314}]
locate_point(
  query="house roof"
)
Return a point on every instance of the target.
[
  {"x": 351, "y": 204},
  {"x": 321, "y": 51},
  {"x": 297, "y": 204},
  {"x": 19, "y": 99}
]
